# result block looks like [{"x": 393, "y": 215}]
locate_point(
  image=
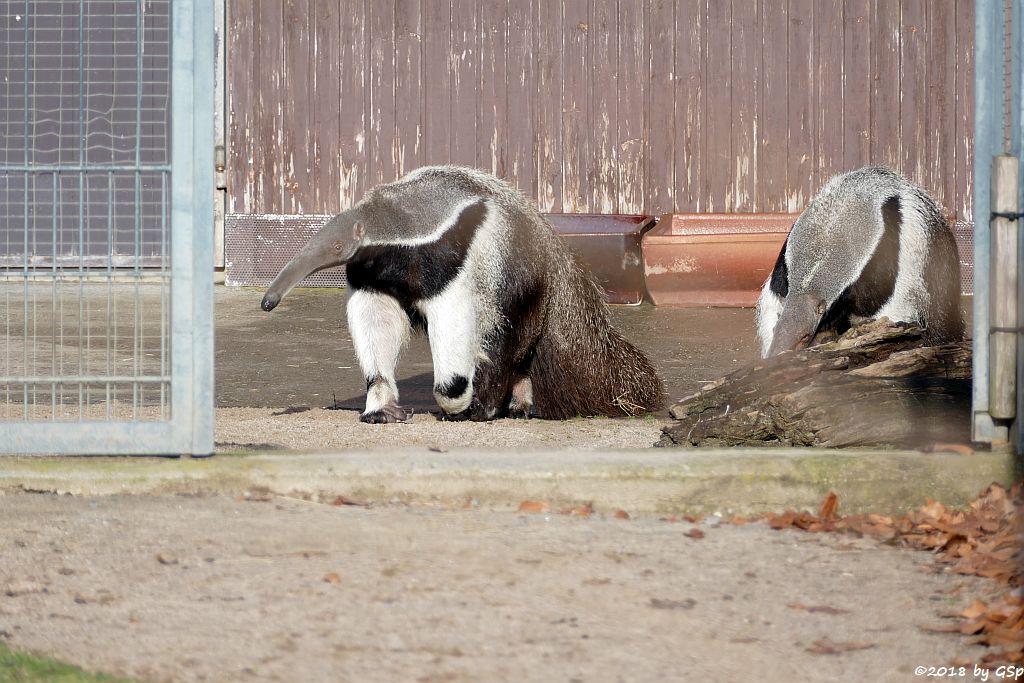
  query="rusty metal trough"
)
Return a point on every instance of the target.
[{"x": 712, "y": 259}]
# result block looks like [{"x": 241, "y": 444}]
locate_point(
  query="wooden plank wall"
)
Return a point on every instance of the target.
[{"x": 598, "y": 105}]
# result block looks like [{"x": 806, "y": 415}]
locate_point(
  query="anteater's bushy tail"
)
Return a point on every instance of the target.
[{"x": 583, "y": 366}]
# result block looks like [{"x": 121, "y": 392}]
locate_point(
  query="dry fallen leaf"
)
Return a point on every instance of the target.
[
  {"x": 345, "y": 500},
  {"x": 829, "y": 507},
  {"x": 662, "y": 603},
  {"x": 621, "y": 514},
  {"x": 960, "y": 448},
  {"x": 828, "y": 647},
  {"x": 940, "y": 628},
  {"x": 332, "y": 578},
  {"x": 584, "y": 510},
  {"x": 694, "y": 533},
  {"x": 984, "y": 540},
  {"x": 817, "y": 609},
  {"x": 974, "y": 610},
  {"x": 533, "y": 506}
]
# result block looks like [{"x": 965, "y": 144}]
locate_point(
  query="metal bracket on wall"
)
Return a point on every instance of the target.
[{"x": 219, "y": 165}]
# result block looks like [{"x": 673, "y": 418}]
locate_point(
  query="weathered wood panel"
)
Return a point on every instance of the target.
[
  {"x": 660, "y": 104},
  {"x": 718, "y": 151},
  {"x": 598, "y": 105},
  {"x": 691, "y": 87},
  {"x": 380, "y": 102},
  {"x": 437, "y": 81},
  {"x": 914, "y": 100},
  {"x": 964, "y": 149},
  {"x": 885, "y": 94},
  {"x": 631, "y": 80},
  {"x": 548, "y": 57},
  {"x": 464, "y": 64},
  {"x": 828, "y": 79},
  {"x": 773, "y": 167},
  {"x": 801, "y": 66},
  {"x": 352, "y": 124},
  {"x": 492, "y": 127},
  {"x": 575, "y": 105},
  {"x": 601, "y": 82},
  {"x": 296, "y": 82},
  {"x": 940, "y": 107},
  {"x": 521, "y": 95},
  {"x": 325, "y": 138},
  {"x": 856, "y": 83},
  {"x": 746, "y": 68},
  {"x": 408, "y": 85}
]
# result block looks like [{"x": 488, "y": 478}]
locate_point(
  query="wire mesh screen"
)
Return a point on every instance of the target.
[
  {"x": 964, "y": 233},
  {"x": 84, "y": 209},
  {"x": 257, "y": 247}
]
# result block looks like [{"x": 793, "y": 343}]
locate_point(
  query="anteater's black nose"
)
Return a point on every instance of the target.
[{"x": 270, "y": 301}]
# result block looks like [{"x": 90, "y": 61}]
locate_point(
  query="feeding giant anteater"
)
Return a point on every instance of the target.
[
  {"x": 516, "y": 326},
  {"x": 871, "y": 244}
]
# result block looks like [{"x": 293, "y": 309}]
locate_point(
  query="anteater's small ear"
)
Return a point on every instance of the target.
[
  {"x": 820, "y": 308},
  {"x": 358, "y": 231}
]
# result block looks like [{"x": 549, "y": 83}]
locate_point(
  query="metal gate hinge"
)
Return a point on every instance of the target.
[{"x": 1008, "y": 215}]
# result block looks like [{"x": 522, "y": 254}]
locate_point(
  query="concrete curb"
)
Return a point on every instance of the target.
[{"x": 651, "y": 481}]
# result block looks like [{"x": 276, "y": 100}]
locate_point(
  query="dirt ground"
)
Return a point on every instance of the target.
[
  {"x": 276, "y": 372},
  {"x": 194, "y": 588},
  {"x": 214, "y": 589}
]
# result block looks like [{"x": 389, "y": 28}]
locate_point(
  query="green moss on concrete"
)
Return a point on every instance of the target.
[{"x": 24, "y": 667}]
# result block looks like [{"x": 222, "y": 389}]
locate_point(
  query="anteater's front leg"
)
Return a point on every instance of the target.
[
  {"x": 454, "y": 348},
  {"x": 379, "y": 328}
]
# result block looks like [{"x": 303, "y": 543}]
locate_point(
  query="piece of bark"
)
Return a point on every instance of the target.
[{"x": 876, "y": 385}]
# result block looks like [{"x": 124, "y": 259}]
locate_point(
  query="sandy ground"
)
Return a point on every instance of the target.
[
  {"x": 276, "y": 372},
  {"x": 246, "y": 429},
  {"x": 300, "y": 359},
  {"x": 214, "y": 589}
]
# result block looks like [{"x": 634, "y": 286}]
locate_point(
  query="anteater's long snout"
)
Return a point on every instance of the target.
[
  {"x": 798, "y": 322},
  {"x": 333, "y": 245}
]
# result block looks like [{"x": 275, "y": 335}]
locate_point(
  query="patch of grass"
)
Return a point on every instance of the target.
[{"x": 17, "y": 666}]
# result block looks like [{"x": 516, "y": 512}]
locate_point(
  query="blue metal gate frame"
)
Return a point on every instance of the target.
[
  {"x": 990, "y": 34},
  {"x": 190, "y": 427}
]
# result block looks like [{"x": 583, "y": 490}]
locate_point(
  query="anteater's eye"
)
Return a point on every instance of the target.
[{"x": 339, "y": 247}]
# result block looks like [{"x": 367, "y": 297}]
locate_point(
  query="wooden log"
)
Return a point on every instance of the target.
[{"x": 876, "y": 385}]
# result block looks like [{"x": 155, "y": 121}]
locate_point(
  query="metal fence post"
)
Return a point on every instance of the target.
[
  {"x": 192, "y": 87},
  {"x": 988, "y": 90}
]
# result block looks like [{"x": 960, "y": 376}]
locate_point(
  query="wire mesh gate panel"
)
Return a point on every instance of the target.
[{"x": 106, "y": 146}]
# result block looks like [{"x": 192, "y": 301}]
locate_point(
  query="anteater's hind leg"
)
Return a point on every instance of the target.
[
  {"x": 503, "y": 385},
  {"x": 521, "y": 404},
  {"x": 379, "y": 328}
]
